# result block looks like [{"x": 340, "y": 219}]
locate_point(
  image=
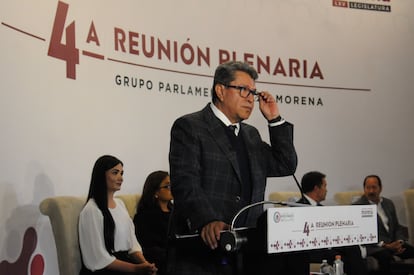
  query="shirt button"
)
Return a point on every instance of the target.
[{"x": 237, "y": 198}]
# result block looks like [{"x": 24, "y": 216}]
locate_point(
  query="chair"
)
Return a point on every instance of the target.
[
  {"x": 409, "y": 212},
  {"x": 285, "y": 196},
  {"x": 63, "y": 212},
  {"x": 347, "y": 197},
  {"x": 130, "y": 201}
]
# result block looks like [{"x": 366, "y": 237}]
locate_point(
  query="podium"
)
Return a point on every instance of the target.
[
  {"x": 306, "y": 228},
  {"x": 289, "y": 230}
]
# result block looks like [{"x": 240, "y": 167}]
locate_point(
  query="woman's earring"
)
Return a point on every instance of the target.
[{"x": 156, "y": 196}]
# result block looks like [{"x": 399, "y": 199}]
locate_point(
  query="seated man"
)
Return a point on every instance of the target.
[
  {"x": 314, "y": 189},
  {"x": 391, "y": 235}
]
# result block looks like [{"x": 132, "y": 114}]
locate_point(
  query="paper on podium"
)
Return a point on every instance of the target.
[{"x": 315, "y": 227}]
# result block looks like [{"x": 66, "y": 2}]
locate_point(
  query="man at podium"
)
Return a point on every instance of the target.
[{"x": 219, "y": 164}]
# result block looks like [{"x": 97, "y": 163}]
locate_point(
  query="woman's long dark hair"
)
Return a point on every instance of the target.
[
  {"x": 98, "y": 190},
  {"x": 151, "y": 186}
]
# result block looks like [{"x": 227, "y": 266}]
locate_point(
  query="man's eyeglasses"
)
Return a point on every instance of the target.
[
  {"x": 168, "y": 186},
  {"x": 244, "y": 91}
]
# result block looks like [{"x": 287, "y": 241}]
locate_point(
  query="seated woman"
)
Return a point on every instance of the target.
[
  {"x": 151, "y": 219},
  {"x": 106, "y": 232}
]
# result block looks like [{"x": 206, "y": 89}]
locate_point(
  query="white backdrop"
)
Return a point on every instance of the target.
[{"x": 54, "y": 127}]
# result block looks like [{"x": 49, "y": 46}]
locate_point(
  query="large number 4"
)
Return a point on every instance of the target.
[
  {"x": 306, "y": 229},
  {"x": 67, "y": 52}
]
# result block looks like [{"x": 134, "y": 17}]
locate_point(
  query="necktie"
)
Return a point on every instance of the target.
[{"x": 233, "y": 128}]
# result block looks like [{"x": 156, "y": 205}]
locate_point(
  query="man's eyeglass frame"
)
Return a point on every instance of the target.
[{"x": 243, "y": 90}]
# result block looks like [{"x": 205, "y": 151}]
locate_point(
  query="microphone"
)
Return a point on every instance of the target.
[{"x": 231, "y": 240}]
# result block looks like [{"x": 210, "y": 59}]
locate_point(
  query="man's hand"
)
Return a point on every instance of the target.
[
  {"x": 396, "y": 247},
  {"x": 268, "y": 105},
  {"x": 211, "y": 233}
]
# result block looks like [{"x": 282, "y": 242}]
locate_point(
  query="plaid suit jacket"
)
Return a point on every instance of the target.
[{"x": 204, "y": 171}]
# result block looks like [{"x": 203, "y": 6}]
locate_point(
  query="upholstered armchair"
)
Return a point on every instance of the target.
[
  {"x": 64, "y": 213},
  {"x": 285, "y": 196},
  {"x": 409, "y": 212},
  {"x": 347, "y": 197}
]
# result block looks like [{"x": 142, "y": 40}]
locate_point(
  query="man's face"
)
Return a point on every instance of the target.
[
  {"x": 321, "y": 191},
  {"x": 372, "y": 190},
  {"x": 235, "y": 107}
]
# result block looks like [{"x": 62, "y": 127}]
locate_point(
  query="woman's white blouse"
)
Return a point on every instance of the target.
[{"x": 91, "y": 236}]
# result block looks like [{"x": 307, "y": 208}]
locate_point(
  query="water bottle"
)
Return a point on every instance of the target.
[
  {"x": 338, "y": 265},
  {"x": 326, "y": 268}
]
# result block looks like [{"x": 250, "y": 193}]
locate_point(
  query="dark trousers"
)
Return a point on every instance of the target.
[{"x": 385, "y": 257}]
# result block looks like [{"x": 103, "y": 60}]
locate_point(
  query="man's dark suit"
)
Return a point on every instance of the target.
[
  {"x": 351, "y": 255},
  {"x": 205, "y": 176},
  {"x": 395, "y": 232}
]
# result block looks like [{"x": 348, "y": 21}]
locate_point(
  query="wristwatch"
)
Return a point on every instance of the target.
[{"x": 277, "y": 119}]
